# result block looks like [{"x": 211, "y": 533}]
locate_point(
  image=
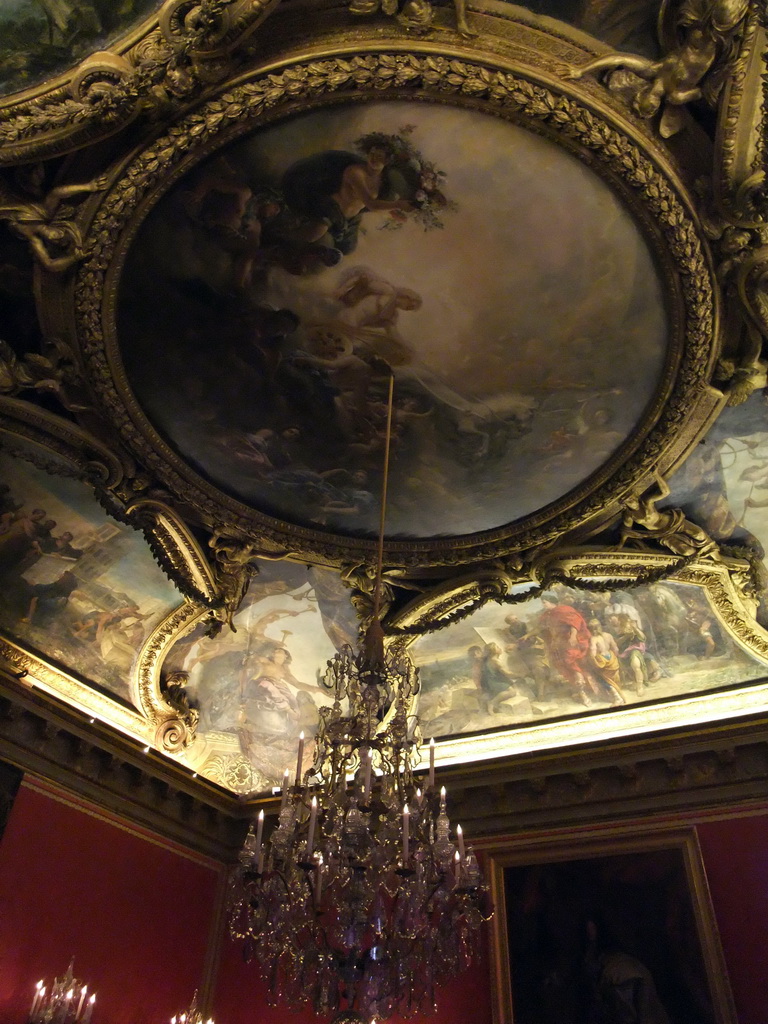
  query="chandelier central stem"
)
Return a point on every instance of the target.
[{"x": 383, "y": 514}]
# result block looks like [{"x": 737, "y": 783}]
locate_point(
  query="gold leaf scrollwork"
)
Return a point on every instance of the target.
[{"x": 175, "y": 734}]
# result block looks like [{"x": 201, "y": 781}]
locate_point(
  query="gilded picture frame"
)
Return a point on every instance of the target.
[{"x": 621, "y": 868}]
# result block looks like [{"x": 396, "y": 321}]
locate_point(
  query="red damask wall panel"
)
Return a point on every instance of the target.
[
  {"x": 133, "y": 909},
  {"x": 735, "y": 854}
]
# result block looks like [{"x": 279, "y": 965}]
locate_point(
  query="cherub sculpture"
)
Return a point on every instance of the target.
[
  {"x": 413, "y": 15},
  {"x": 705, "y": 32},
  {"x": 46, "y": 224},
  {"x": 643, "y": 522}
]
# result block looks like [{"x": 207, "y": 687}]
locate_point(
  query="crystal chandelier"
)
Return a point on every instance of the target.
[
  {"x": 361, "y": 897},
  {"x": 192, "y": 1016},
  {"x": 66, "y": 1001}
]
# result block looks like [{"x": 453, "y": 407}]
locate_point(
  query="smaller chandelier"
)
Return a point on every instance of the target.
[
  {"x": 66, "y": 1001},
  {"x": 192, "y": 1016},
  {"x": 362, "y": 895}
]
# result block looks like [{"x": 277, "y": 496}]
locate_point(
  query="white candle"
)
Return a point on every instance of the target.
[
  {"x": 89, "y": 1011},
  {"x": 456, "y": 865},
  {"x": 260, "y": 867},
  {"x": 419, "y": 797},
  {"x": 36, "y": 998},
  {"x": 432, "y": 761},
  {"x": 312, "y": 822},
  {"x": 406, "y": 835},
  {"x": 284, "y": 797},
  {"x": 259, "y": 829},
  {"x": 83, "y": 990},
  {"x": 300, "y": 759},
  {"x": 443, "y": 795},
  {"x": 367, "y": 775},
  {"x": 318, "y": 880},
  {"x": 460, "y": 837}
]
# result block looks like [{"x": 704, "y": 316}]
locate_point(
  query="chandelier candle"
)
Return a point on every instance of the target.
[{"x": 64, "y": 1002}]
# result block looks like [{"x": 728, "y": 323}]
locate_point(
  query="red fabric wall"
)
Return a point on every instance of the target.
[
  {"x": 132, "y": 908},
  {"x": 735, "y": 854},
  {"x": 137, "y": 912}
]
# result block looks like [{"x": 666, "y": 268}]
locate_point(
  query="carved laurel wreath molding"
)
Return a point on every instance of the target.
[
  {"x": 168, "y": 61},
  {"x": 426, "y": 76}
]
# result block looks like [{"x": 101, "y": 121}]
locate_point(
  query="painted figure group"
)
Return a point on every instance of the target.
[
  {"x": 293, "y": 400},
  {"x": 56, "y": 605},
  {"x": 591, "y": 648}
]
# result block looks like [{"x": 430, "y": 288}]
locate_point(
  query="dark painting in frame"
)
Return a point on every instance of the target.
[{"x": 616, "y": 928}]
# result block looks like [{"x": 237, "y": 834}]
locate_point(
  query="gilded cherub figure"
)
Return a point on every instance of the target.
[
  {"x": 705, "y": 31},
  {"x": 55, "y": 373},
  {"x": 46, "y": 224},
  {"x": 642, "y": 522},
  {"x": 234, "y": 567},
  {"x": 413, "y": 15}
]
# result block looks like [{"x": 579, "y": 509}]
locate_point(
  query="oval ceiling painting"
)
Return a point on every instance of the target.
[{"x": 268, "y": 297}]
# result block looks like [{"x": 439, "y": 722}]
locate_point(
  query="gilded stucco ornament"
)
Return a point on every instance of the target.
[
  {"x": 643, "y": 522},
  {"x": 175, "y": 734},
  {"x": 234, "y": 566},
  {"x": 157, "y": 68},
  {"x": 414, "y": 16},
  {"x": 47, "y": 222},
  {"x": 702, "y": 39},
  {"x": 54, "y": 374},
  {"x": 626, "y": 155},
  {"x": 743, "y": 271}
]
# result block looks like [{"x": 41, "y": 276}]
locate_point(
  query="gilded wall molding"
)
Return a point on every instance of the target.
[{"x": 614, "y": 148}]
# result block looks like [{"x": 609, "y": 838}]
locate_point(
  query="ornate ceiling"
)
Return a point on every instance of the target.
[{"x": 226, "y": 225}]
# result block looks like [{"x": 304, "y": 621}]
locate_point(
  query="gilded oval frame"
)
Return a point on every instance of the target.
[{"x": 617, "y": 149}]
